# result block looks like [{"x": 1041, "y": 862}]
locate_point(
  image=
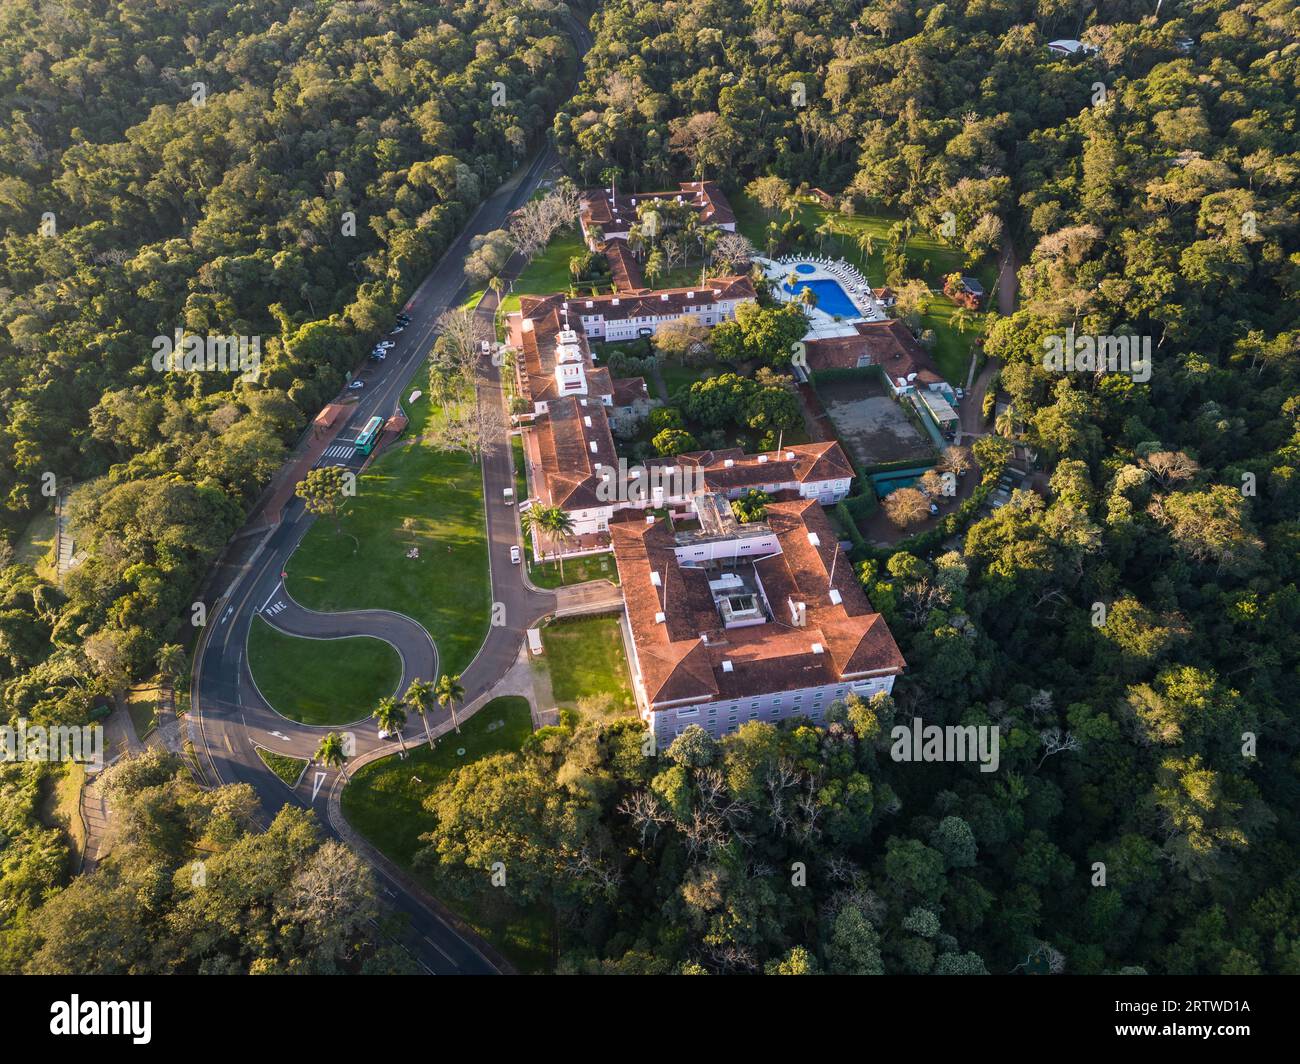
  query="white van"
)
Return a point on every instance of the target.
[{"x": 509, "y": 495}]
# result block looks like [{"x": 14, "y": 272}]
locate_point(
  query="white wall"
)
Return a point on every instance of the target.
[{"x": 718, "y": 718}]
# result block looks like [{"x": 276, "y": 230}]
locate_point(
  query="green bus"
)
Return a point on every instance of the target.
[{"x": 366, "y": 441}]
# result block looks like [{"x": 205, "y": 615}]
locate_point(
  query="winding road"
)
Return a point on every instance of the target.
[{"x": 233, "y": 719}]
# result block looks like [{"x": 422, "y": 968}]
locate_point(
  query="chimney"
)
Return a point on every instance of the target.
[{"x": 798, "y": 613}]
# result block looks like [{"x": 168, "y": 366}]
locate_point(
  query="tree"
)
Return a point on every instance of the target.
[
  {"x": 674, "y": 441},
  {"x": 391, "y": 717},
  {"x": 171, "y": 663},
  {"x": 325, "y": 491},
  {"x": 751, "y": 506},
  {"x": 419, "y": 696},
  {"x": 449, "y": 693},
  {"x": 906, "y": 507},
  {"x": 770, "y": 193},
  {"x": 330, "y": 751}
]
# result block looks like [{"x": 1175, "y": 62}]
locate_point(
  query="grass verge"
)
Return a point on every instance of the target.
[
  {"x": 321, "y": 681},
  {"x": 415, "y": 498},
  {"x": 384, "y": 800},
  {"x": 289, "y": 769}
]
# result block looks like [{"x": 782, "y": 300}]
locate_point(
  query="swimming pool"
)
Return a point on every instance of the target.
[
  {"x": 830, "y": 296},
  {"x": 804, "y": 267}
]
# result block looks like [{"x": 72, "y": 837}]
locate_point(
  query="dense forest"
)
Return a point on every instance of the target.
[
  {"x": 279, "y": 171},
  {"x": 1133, "y": 630}
]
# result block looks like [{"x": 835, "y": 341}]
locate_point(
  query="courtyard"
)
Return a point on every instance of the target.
[{"x": 870, "y": 423}]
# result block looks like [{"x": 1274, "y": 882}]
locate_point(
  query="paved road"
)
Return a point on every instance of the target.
[{"x": 233, "y": 717}]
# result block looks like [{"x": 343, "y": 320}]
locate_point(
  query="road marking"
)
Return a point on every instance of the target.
[
  {"x": 315, "y": 787},
  {"x": 442, "y": 951},
  {"x": 280, "y": 735},
  {"x": 274, "y": 591}
]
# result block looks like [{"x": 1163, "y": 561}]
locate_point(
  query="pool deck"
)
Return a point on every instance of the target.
[{"x": 822, "y": 325}]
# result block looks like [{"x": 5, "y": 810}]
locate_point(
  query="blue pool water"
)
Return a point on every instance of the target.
[
  {"x": 803, "y": 267},
  {"x": 830, "y": 296}
]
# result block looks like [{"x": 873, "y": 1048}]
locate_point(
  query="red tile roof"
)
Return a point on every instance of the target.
[
  {"x": 623, "y": 266},
  {"x": 601, "y": 209},
  {"x": 663, "y": 302},
  {"x": 535, "y": 332},
  {"x": 888, "y": 344},
  {"x": 798, "y": 462},
  {"x": 564, "y": 441},
  {"x": 681, "y": 657}
]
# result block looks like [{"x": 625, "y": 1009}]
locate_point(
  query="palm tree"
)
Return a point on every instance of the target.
[
  {"x": 171, "y": 662},
  {"x": 808, "y": 298},
  {"x": 866, "y": 245},
  {"x": 1005, "y": 423},
  {"x": 827, "y": 228},
  {"x": 559, "y": 526},
  {"x": 331, "y": 752},
  {"x": 392, "y": 718},
  {"x": 419, "y": 696},
  {"x": 449, "y": 693},
  {"x": 530, "y": 520}
]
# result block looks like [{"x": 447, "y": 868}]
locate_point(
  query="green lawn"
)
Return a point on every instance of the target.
[
  {"x": 549, "y": 272},
  {"x": 587, "y": 661},
  {"x": 440, "y": 495},
  {"x": 521, "y": 468},
  {"x": 142, "y": 707},
  {"x": 60, "y": 806},
  {"x": 929, "y": 258},
  {"x": 321, "y": 681},
  {"x": 287, "y": 768},
  {"x": 35, "y": 547},
  {"x": 576, "y": 571},
  {"x": 384, "y": 800},
  {"x": 677, "y": 376}
]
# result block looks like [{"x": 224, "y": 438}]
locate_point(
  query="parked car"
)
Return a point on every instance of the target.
[
  {"x": 395, "y": 330},
  {"x": 508, "y": 494},
  {"x": 934, "y": 509},
  {"x": 514, "y": 555},
  {"x": 961, "y": 394},
  {"x": 357, "y": 384}
]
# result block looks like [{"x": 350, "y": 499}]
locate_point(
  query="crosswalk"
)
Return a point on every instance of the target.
[{"x": 338, "y": 450}]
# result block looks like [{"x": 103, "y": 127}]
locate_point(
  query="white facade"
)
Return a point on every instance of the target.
[
  {"x": 719, "y": 718},
  {"x": 614, "y": 328},
  {"x": 596, "y": 519}
]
